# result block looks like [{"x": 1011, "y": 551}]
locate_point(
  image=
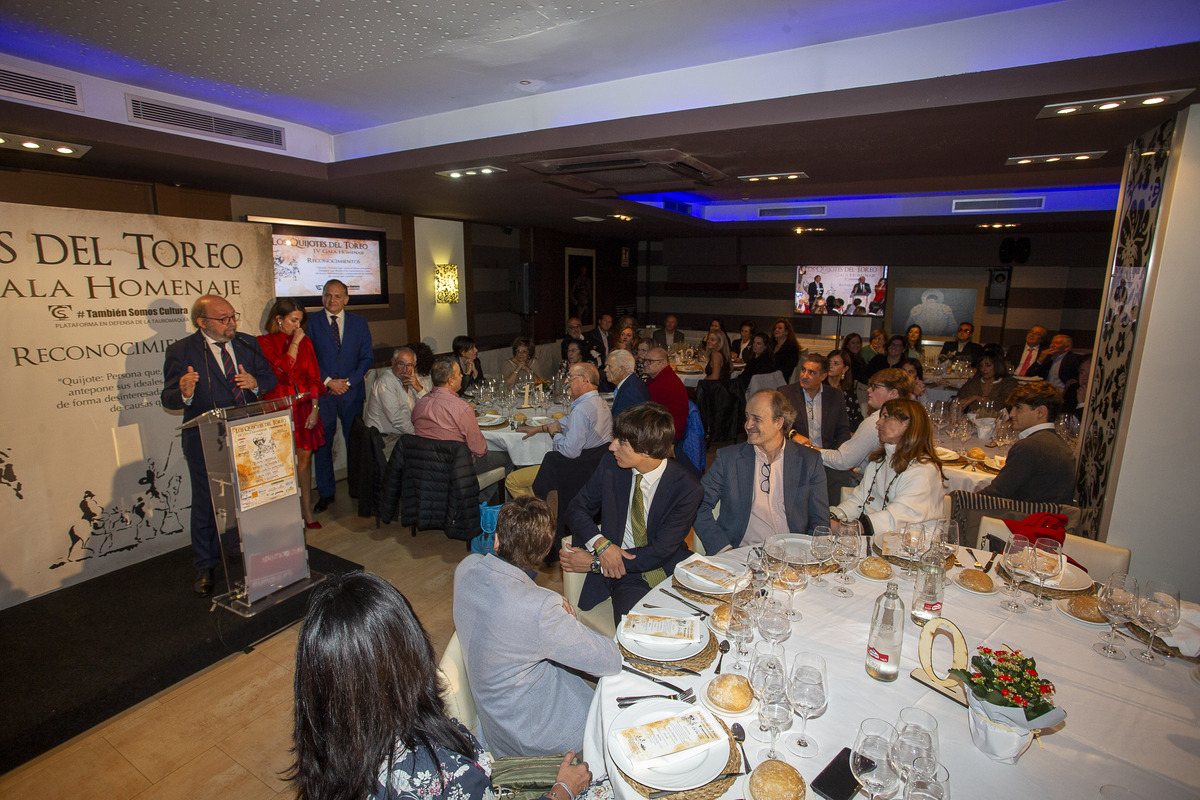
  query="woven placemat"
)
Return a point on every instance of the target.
[
  {"x": 1144, "y": 635},
  {"x": 1050, "y": 591},
  {"x": 901, "y": 561},
  {"x": 496, "y": 427},
  {"x": 699, "y": 597},
  {"x": 708, "y": 791},
  {"x": 698, "y": 662}
]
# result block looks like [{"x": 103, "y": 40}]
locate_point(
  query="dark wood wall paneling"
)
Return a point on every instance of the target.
[{"x": 615, "y": 285}]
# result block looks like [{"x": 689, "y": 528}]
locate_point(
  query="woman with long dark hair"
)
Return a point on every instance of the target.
[
  {"x": 852, "y": 355},
  {"x": 369, "y": 717},
  {"x": 913, "y": 336},
  {"x": 892, "y": 357},
  {"x": 295, "y": 364},
  {"x": 785, "y": 348},
  {"x": 759, "y": 360},
  {"x": 467, "y": 353},
  {"x": 842, "y": 379},
  {"x": 991, "y": 381},
  {"x": 902, "y": 481}
]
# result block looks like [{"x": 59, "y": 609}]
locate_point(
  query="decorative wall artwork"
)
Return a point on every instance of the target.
[{"x": 937, "y": 310}]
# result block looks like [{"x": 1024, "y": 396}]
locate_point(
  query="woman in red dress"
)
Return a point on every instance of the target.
[{"x": 291, "y": 354}]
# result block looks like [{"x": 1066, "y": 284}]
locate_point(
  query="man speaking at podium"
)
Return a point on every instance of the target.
[{"x": 216, "y": 367}]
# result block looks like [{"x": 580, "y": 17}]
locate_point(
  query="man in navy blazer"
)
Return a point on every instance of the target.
[
  {"x": 765, "y": 486},
  {"x": 194, "y": 380},
  {"x": 630, "y": 389},
  {"x": 625, "y": 556},
  {"x": 344, "y": 355},
  {"x": 828, "y": 405}
]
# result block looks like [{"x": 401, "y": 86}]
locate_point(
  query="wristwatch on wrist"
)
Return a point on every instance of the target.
[{"x": 596, "y": 563}]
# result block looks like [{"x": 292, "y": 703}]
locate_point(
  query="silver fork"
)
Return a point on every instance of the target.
[{"x": 686, "y": 696}]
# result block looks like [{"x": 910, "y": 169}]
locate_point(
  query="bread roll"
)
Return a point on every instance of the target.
[
  {"x": 976, "y": 453},
  {"x": 875, "y": 567},
  {"x": 558, "y": 415},
  {"x": 730, "y": 692},
  {"x": 720, "y": 617},
  {"x": 776, "y": 780},
  {"x": 1086, "y": 608},
  {"x": 519, "y": 418},
  {"x": 790, "y": 573},
  {"x": 976, "y": 581}
]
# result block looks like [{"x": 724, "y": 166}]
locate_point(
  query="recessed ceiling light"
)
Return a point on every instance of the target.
[
  {"x": 48, "y": 147},
  {"x": 455, "y": 174},
  {"x": 1099, "y": 104},
  {"x": 995, "y": 225},
  {"x": 31, "y": 145},
  {"x": 1025, "y": 161},
  {"x": 1051, "y": 158},
  {"x": 772, "y": 176},
  {"x": 486, "y": 171},
  {"x": 800, "y": 230},
  {"x": 471, "y": 171},
  {"x": 66, "y": 151},
  {"x": 622, "y": 217},
  {"x": 1083, "y": 157}
]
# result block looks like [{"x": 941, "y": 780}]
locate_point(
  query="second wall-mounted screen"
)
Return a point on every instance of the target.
[{"x": 849, "y": 290}]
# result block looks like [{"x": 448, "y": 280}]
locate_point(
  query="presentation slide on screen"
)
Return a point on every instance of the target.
[
  {"x": 304, "y": 263},
  {"x": 854, "y": 290}
]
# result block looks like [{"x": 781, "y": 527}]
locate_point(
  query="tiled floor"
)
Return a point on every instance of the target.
[{"x": 226, "y": 732}]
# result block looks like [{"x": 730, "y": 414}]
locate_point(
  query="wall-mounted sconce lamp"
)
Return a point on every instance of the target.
[{"x": 445, "y": 283}]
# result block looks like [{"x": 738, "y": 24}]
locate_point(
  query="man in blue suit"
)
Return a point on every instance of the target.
[
  {"x": 630, "y": 389},
  {"x": 216, "y": 367},
  {"x": 342, "y": 342},
  {"x": 767, "y": 485},
  {"x": 646, "y": 503}
]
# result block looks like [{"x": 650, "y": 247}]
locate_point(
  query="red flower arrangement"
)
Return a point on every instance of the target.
[{"x": 1008, "y": 678}]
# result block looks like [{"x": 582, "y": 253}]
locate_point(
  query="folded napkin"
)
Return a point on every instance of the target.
[
  {"x": 702, "y": 569},
  {"x": 1186, "y": 635},
  {"x": 662, "y": 630}
]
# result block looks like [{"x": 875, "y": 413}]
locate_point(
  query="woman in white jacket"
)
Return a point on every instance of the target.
[{"x": 902, "y": 481}]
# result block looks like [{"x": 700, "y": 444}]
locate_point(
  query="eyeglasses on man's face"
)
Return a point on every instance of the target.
[{"x": 226, "y": 319}]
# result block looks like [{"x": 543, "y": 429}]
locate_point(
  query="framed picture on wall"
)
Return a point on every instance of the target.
[
  {"x": 580, "y": 274},
  {"x": 938, "y": 310}
]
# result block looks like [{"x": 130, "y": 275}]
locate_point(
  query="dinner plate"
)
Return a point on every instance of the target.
[
  {"x": 540, "y": 420},
  {"x": 679, "y": 774},
  {"x": 667, "y": 651},
  {"x": 708, "y": 587},
  {"x": 1073, "y": 579},
  {"x": 1064, "y": 608},
  {"x": 805, "y": 545},
  {"x": 945, "y": 454},
  {"x": 722, "y": 632},
  {"x": 959, "y": 585},
  {"x": 702, "y": 694},
  {"x": 856, "y": 573},
  {"x": 995, "y": 462},
  {"x": 490, "y": 419}
]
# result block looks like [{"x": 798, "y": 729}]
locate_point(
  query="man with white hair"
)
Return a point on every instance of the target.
[
  {"x": 630, "y": 389},
  {"x": 393, "y": 396}
]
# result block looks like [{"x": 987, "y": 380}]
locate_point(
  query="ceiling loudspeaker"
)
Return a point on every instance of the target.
[
  {"x": 997, "y": 291},
  {"x": 1015, "y": 251}
]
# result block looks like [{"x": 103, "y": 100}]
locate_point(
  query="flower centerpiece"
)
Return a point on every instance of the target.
[{"x": 1008, "y": 701}]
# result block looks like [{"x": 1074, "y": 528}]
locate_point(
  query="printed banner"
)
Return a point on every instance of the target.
[
  {"x": 92, "y": 477},
  {"x": 264, "y": 460}
]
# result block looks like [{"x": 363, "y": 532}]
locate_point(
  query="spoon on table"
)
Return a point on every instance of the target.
[
  {"x": 739, "y": 736},
  {"x": 724, "y": 648}
]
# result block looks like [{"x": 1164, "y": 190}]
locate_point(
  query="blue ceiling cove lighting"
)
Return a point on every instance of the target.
[{"x": 947, "y": 204}]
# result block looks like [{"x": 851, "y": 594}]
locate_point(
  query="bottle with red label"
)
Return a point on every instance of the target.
[
  {"x": 930, "y": 587},
  {"x": 887, "y": 635}
]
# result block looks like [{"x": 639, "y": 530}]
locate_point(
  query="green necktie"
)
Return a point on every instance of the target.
[{"x": 637, "y": 522}]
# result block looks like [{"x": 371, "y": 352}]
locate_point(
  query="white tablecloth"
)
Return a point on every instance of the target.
[
  {"x": 523, "y": 452},
  {"x": 964, "y": 477},
  {"x": 1127, "y": 723}
]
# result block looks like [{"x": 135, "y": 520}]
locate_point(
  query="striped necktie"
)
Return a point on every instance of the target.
[
  {"x": 337, "y": 335},
  {"x": 637, "y": 522},
  {"x": 231, "y": 375}
]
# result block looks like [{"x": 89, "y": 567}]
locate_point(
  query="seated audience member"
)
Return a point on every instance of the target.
[
  {"x": 424, "y": 363},
  {"x": 627, "y": 339},
  {"x": 877, "y": 347},
  {"x": 1057, "y": 365},
  {"x": 820, "y": 410},
  {"x": 892, "y": 358},
  {"x": 393, "y": 396},
  {"x": 524, "y": 649},
  {"x": 716, "y": 350},
  {"x": 629, "y": 388},
  {"x": 715, "y": 324},
  {"x": 1026, "y": 360},
  {"x": 852, "y": 353},
  {"x": 666, "y": 388},
  {"x": 467, "y": 353},
  {"x": 991, "y": 381},
  {"x": 443, "y": 415},
  {"x": 914, "y": 335},
  {"x": 521, "y": 368},
  {"x": 646, "y": 503},
  {"x": 841, "y": 378},
  {"x": 669, "y": 334},
  {"x": 917, "y": 373},
  {"x": 600, "y": 339},
  {"x": 1040, "y": 468},
  {"x": 1075, "y": 399},
  {"x": 765, "y": 486},
  {"x": 760, "y": 360},
  {"x": 385, "y": 733},
  {"x": 785, "y": 348},
  {"x": 739, "y": 346},
  {"x": 961, "y": 348},
  {"x": 588, "y": 425},
  {"x": 644, "y": 346},
  {"x": 574, "y": 334},
  {"x": 575, "y": 356},
  {"x": 903, "y": 479}
]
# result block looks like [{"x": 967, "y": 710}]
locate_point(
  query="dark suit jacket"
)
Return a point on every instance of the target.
[
  {"x": 1040, "y": 469},
  {"x": 731, "y": 480},
  {"x": 835, "y": 419},
  {"x": 668, "y": 520},
  {"x": 212, "y": 390},
  {"x": 351, "y": 362},
  {"x": 815, "y": 290},
  {"x": 971, "y": 350},
  {"x": 660, "y": 337},
  {"x": 633, "y": 390},
  {"x": 1068, "y": 371},
  {"x": 596, "y": 342}
]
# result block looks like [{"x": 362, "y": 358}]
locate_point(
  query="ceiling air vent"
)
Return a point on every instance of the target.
[
  {"x": 628, "y": 173},
  {"x": 999, "y": 204},
  {"x": 38, "y": 89},
  {"x": 818, "y": 210},
  {"x": 172, "y": 117}
]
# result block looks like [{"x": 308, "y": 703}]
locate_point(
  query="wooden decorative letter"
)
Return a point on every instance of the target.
[{"x": 926, "y": 674}]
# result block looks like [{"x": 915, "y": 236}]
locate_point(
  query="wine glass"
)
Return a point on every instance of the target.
[
  {"x": 1047, "y": 563},
  {"x": 773, "y": 558},
  {"x": 948, "y": 537},
  {"x": 807, "y": 693},
  {"x": 740, "y": 630},
  {"x": 1158, "y": 608},
  {"x": 916, "y": 737},
  {"x": 794, "y": 575},
  {"x": 845, "y": 554},
  {"x": 1118, "y": 601},
  {"x": 774, "y": 714},
  {"x": 928, "y": 780},
  {"x": 821, "y": 550},
  {"x": 1017, "y": 551},
  {"x": 758, "y": 568},
  {"x": 869, "y": 758},
  {"x": 915, "y": 539},
  {"x": 774, "y": 626},
  {"x": 766, "y": 677}
]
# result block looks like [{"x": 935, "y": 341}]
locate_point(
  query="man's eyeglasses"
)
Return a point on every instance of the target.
[
  {"x": 878, "y": 386},
  {"x": 653, "y": 360},
  {"x": 225, "y": 320},
  {"x": 765, "y": 484}
]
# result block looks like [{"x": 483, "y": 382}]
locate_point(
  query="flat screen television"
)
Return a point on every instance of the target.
[
  {"x": 307, "y": 254},
  {"x": 851, "y": 291}
]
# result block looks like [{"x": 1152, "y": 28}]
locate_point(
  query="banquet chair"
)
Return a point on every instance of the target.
[
  {"x": 1100, "y": 559},
  {"x": 968, "y": 508},
  {"x": 460, "y": 704},
  {"x": 771, "y": 380},
  {"x": 600, "y": 618}
]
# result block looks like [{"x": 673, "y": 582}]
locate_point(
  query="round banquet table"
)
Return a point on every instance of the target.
[
  {"x": 963, "y": 477},
  {"x": 1127, "y": 723}
]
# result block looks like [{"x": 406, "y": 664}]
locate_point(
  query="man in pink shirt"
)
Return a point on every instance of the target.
[{"x": 445, "y": 416}]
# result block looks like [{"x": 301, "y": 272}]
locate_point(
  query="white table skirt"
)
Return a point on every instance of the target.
[
  {"x": 523, "y": 452},
  {"x": 1127, "y": 723}
]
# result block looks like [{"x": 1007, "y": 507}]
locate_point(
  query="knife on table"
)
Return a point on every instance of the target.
[
  {"x": 652, "y": 679},
  {"x": 686, "y": 603},
  {"x": 660, "y": 665}
]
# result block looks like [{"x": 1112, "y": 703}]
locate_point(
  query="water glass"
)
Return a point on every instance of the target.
[
  {"x": 808, "y": 693},
  {"x": 916, "y": 737},
  {"x": 1118, "y": 601},
  {"x": 869, "y": 758},
  {"x": 1158, "y": 609},
  {"x": 822, "y": 550}
]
